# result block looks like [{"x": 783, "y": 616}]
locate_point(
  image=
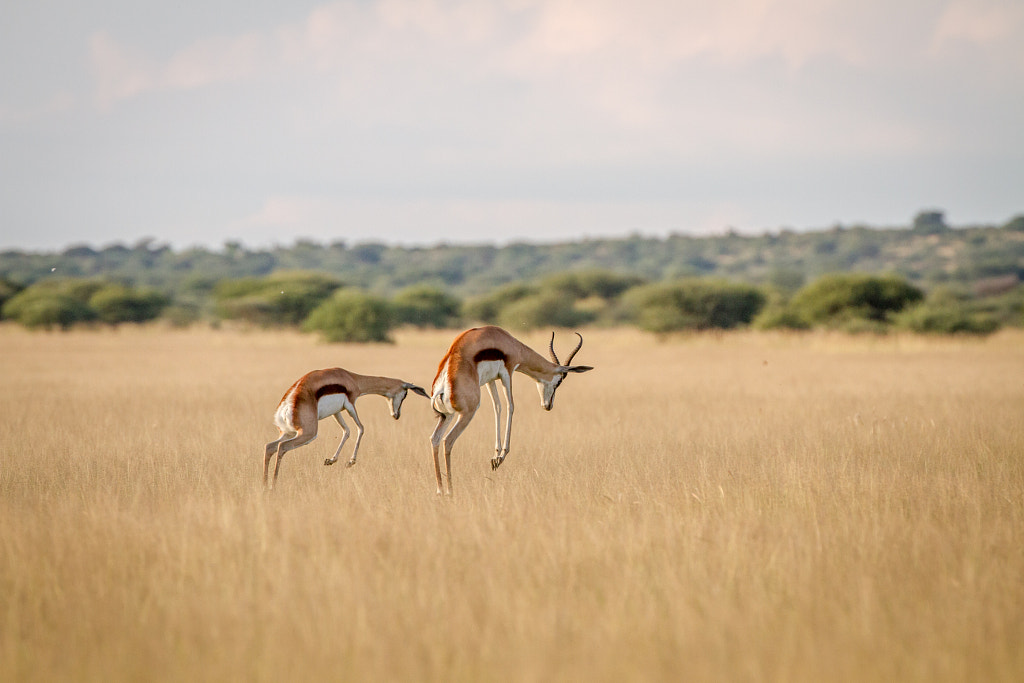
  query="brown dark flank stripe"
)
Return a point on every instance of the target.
[{"x": 329, "y": 389}]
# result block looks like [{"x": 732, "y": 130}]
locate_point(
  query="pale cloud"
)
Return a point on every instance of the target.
[
  {"x": 418, "y": 120},
  {"x": 461, "y": 21},
  {"x": 595, "y": 81},
  {"x": 218, "y": 60},
  {"x": 654, "y": 35},
  {"x": 990, "y": 24},
  {"x": 119, "y": 73},
  {"x": 122, "y": 72},
  {"x": 320, "y": 41},
  {"x": 58, "y": 103},
  {"x": 617, "y": 55},
  {"x": 289, "y": 212}
]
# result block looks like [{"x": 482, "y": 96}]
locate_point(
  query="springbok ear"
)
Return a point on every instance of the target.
[
  {"x": 580, "y": 368},
  {"x": 417, "y": 390}
]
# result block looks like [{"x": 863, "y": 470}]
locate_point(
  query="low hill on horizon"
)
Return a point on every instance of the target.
[{"x": 927, "y": 252}]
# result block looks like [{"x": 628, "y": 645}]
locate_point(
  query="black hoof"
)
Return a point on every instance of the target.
[{"x": 328, "y": 462}]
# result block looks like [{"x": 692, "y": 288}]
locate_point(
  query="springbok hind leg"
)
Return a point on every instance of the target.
[
  {"x": 300, "y": 439},
  {"x": 435, "y": 445},
  {"x": 462, "y": 421},
  {"x": 271, "y": 449}
]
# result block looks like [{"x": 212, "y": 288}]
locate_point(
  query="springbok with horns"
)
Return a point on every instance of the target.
[
  {"x": 321, "y": 393},
  {"x": 484, "y": 355}
]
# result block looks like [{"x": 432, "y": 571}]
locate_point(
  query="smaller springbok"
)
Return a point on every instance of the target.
[{"x": 321, "y": 393}]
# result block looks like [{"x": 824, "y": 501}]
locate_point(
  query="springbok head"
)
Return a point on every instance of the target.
[
  {"x": 395, "y": 400},
  {"x": 547, "y": 387}
]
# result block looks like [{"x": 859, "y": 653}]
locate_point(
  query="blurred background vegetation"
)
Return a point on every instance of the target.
[{"x": 926, "y": 277}]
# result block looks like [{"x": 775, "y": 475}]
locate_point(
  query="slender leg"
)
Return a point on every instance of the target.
[
  {"x": 462, "y": 421},
  {"x": 359, "y": 433},
  {"x": 435, "y": 444},
  {"x": 301, "y": 439},
  {"x": 500, "y": 457},
  {"x": 271, "y": 449},
  {"x": 344, "y": 438},
  {"x": 492, "y": 388}
]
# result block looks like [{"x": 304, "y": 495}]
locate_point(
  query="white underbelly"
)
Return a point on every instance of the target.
[
  {"x": 331, "y": 404},
  {"x": 490, "y": 370}
]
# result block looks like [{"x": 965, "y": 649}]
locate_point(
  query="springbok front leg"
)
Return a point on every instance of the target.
[
  {"x": 344, "y": 438},
  {"x": 502, "y": 453},
  {"x": 492, "y": 389},
  {"x": 359, "y": 433}
]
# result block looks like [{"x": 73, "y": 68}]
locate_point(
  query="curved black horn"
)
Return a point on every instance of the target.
[
  {"x": 551, "y": 350},
  {"x": 578, "y": 347}
]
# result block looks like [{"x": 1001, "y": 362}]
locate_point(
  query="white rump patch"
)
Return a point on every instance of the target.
[
  {"x": 284, "y": 414},
  {"x": 441, "y": 393}
]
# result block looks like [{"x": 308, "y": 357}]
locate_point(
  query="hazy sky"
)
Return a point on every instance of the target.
[{"x": 419, "y": 121}]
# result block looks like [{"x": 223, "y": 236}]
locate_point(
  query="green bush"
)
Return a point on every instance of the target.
[
  {"x": 1015, "y": 224},
  {"x": 780, "y": 317},
  {"x": 279, "y": 299},
  {"x": 49, "y": 303},
  {"x": 7, "y": 290},
  {"x": 350, "y": 315},
  {"x": 692, "y": 304},
  {"x": 487, "y": 309},
  {"x": 116, "y": 303},
  {"x": 563, "y": 300},
  {"x": 426, "y": 306},
  {"x": 81, "y": 289},
  {"x": 947, "y": 311},
  {"x": 847, "y": 300},
  {"x": 46, "y": 308},
  {"x": 931, "y": 319},
  {"x": 1006, "y": 308},
  {"x": 583, "y": 284},
  {"x": 545, "y": 309},
  {"x": 66, "y": 302}
]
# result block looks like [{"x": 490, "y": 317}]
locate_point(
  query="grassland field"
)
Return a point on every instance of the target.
[{"x": 737, "y": 507}]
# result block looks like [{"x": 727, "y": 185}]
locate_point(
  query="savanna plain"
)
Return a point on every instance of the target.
[{"x": 737, "y": 507}]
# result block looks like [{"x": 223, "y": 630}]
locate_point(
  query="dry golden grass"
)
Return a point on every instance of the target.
[{"x": 741, "y": 507}]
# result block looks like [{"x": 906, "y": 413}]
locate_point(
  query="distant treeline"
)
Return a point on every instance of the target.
[{"x": 926, "y": 277}]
